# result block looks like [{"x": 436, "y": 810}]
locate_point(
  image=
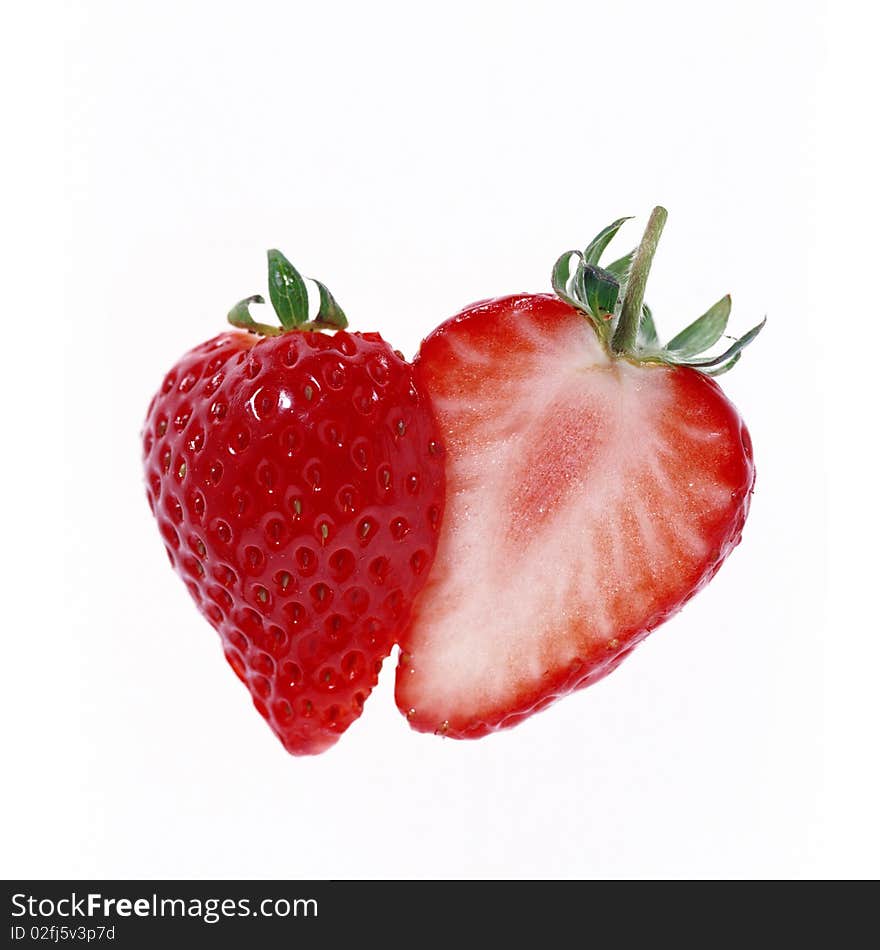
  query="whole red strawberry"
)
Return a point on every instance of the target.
[
  {"x": 297, "y": 478},
  {"x": 596, "y": 481}
]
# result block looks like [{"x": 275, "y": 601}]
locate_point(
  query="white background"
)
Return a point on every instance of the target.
[{"x": 417, "y": 157}]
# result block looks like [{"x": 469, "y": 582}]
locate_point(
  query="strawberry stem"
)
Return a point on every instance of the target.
[
  {"x": 290, "y": 298},
  {"x": 626, "y": 334}
]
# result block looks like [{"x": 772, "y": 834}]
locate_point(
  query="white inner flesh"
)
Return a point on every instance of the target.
[{"x": 521, "y": 585}]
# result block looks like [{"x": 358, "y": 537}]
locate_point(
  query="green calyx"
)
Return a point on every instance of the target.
[
  {"x": 612, "y": 297},
  {"x": 290, "y": 298}
]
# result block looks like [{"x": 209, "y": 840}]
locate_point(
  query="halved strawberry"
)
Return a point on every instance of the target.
[{"x": 595, "y": 482}]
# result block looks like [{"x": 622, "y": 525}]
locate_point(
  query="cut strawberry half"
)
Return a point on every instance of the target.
[{"x": 595, "y": 482}]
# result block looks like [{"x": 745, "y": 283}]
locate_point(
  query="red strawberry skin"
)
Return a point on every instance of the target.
[
  {"x": 298, "y": 484},
  {"x": 588, "y": 498}
]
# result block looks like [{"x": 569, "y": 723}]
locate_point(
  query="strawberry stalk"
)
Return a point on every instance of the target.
[
  {"x": 626, "y": 334},
  {"x": 290, "y": 298},
  {"x": 612, "y": 298}
]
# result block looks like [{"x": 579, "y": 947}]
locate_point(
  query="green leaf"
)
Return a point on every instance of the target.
[
  {"x": 704, "y": 332},
  {"x": 620, "y": 267},
  {"x": 599, "y": 289},
  {"x": 240, "y": 316},
  {"x": 575, "y": 295},
  {"x": 562, "y": 274},
  {"x": 329, "y": 311},
  {"x": 597, "y": 246},
  {"x": 717, "y": 362},
  {"x": 287, "y": 291},
  {"x": 721, "y": 370},
  {"x": 647, "y": 338}
]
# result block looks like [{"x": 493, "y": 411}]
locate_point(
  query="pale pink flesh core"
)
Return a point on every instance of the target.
[{"x": 581, "y": 497}]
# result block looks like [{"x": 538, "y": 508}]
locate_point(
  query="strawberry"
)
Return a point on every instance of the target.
[
  {"x": 596, "y": 480},
  {"x": 297, "y": 479}
]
